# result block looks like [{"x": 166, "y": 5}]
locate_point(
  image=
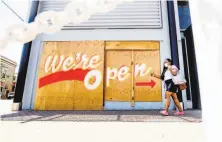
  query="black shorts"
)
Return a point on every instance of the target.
[{"x": 170, "y": 87}]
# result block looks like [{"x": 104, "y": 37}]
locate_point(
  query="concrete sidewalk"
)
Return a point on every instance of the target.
[
  {"x": 54, "y": 131},
  {"x": 94, "y": 116},
  {"x": 101, "y": 126},
  {"x": 5, "y": 106},
  {"x": 100, "y": 116}
]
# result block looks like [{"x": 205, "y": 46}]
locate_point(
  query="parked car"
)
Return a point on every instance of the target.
[{"x": 10, "y": 95}]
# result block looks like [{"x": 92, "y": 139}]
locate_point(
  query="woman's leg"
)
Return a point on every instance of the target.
[
  {"x": 167, "y": 105},
  {"x": 177, "y": 102}
]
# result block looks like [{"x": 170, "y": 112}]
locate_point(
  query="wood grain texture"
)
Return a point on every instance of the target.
[
  {"x": 134, "y": 45},
  {"x": 119, "y": 90},
  {"x": 124, "y": 53},
  {"x": 69, "y": 95},
  {"x": 73, "y": 95},
  {"x": 147, "y": 93}
]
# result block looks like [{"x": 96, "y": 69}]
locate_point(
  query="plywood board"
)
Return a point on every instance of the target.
[
  {"x": 134, "y": 45},
  {"x": 117, "y": 88},
  {"x": 147, "y": 88},
  {"x": 66, "y": 88}
]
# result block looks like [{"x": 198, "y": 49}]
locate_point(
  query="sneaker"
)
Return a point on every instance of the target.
[
  {"x": 164, "y": 113},
  {"x": 179, "y": 113}
]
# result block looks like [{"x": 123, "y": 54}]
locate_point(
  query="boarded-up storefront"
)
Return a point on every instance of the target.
[
  {"x": 82, "y": 75},
  {"x": 103, "y": 63}
]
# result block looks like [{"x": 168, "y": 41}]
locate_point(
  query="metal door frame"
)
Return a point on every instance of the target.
[{"x": 189, "y": 102}]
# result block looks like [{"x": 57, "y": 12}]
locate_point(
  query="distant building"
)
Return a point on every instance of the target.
[{"x": 7, "y": 71}]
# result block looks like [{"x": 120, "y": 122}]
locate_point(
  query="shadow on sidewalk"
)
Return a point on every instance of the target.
[{"x": 101, "y": 116}]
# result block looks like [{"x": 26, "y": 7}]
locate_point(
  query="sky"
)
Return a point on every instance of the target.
[{"x": 14, "y": 50}]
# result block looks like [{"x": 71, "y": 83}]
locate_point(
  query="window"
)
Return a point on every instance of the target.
[{"x": 184, "y": 14}]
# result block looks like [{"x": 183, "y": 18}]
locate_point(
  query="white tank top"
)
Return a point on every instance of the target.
[{"x": 167, "y": 75}]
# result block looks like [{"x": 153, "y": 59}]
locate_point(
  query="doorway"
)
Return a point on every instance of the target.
[
  {"x": 188, "y": 45},
  {"x": 128, "y": 66}
]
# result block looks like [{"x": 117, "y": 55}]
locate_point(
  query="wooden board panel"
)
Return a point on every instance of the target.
[
  {"x": 147, "y": 88},
  {"x": 117, "y": 88},
  {"x": 135, "y": 45},
  {"x": 67, "y": 88}
]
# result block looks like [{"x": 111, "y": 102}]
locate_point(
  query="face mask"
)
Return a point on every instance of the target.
[{"x": 166, "y": 65}]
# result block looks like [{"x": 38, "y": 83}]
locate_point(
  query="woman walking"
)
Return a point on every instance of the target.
[{"x": 171, "y": 88}]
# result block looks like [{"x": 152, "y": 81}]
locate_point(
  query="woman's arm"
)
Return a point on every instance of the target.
[{"x": 154, "y": 75}]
